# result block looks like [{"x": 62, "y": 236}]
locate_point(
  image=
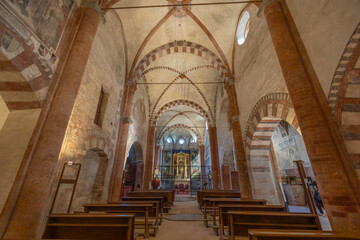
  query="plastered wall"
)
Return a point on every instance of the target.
[
  {"x": 105, "y": 69},
  {"x": 14, "y": 137}
]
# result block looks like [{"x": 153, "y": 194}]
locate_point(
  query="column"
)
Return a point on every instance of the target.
[
  {"x": 149, "y": 156},
  {"x": 33, "y": 204},
  {"x": 215, "y": 167},
  {"x": 332, "y": 178},
  {"x": 203, "y": 166},
  {"x": 123, "y": 133},
  {"x": 157, "y": 157},
  {"x": 243, "y": 175}
]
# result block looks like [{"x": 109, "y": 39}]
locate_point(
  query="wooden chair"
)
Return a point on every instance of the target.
[{"x": 90, "y": 226}]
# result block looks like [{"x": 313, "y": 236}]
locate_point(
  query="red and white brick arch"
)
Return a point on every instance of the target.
[
  {"x": 264, "y": 118},
  {"x": 344, "y": 97},
  {"x": 180, "y": 47},
  {"x": 154, "y": 118},
  {"x": 198, "y": 136},
  {"x": 36, "y": 75}
]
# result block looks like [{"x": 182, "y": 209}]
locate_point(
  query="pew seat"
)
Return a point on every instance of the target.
[
  {"x": 225, "y": 208},
  {"x": 142, "y": 214},
  {"x": 269, "y": 234},
  {"x": 242, "y": 221},
  {"x": 90, "y": 226}
]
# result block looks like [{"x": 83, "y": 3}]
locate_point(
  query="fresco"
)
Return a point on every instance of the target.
[{"x": 46, "y": 18}]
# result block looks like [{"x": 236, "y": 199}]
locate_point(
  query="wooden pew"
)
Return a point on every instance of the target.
[
  {"x": 167, "y": 195},
  {"x": 241, "y": 222},
  {"x": 216, "y": 194},
  {"x": 281, "y": 234},
  {"x": 90, "y": 226},
  {"x": 160, "y": 200},
  {"x": 141, "y": 211},
  {"x": 214, "y": 202},
  {"x": 225, "y": 208}
]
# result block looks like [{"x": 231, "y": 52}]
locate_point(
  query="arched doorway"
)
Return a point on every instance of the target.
[
  {"x": 90, "y": 187},
  {"x": 134, "y": 169}
]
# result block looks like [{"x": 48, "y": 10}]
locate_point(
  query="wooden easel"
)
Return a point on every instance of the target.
[{"x": 67, "y": 181}]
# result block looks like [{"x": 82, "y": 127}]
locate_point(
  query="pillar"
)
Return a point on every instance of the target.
[
  {"x": 120, "y": 153},
  {"x": 225, "y": 172},
  {"x": 157, "y": 157},
  {"x": 215, "y": 167},
  {"x": 243, "y": 174},
  {"x": 334, "y": 184},
  {"x": 149, "y": 156},
  {"x": 203, "y": 166},
  {"x": 33, "y": 203}
]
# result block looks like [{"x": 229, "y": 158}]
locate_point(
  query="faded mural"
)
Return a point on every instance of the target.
[{"x": 46, "y": 18}]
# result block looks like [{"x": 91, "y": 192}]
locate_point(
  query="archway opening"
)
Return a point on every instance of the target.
[
  {"x": 90, "y": 186},
  {"x": 134, "y": 170},
  {"x": 275, "y": 146}
]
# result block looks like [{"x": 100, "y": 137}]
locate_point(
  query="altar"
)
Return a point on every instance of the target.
[{"x": 181, "y": 166}]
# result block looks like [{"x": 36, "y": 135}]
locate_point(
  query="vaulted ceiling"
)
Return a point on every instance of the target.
[{"x": 179, "y": 55}]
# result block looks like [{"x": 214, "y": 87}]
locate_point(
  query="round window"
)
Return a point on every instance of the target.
[
  {"x": 181, "y": 141},
  {"x": 168, "y": 140},
  {"x": 243, "y": 28}
]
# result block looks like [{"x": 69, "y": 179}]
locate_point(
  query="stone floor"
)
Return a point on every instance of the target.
[{"x": 182, "y": 227}]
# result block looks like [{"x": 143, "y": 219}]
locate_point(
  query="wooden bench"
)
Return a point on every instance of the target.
[
  {"x": 225, "y": 208},
  {"x": 212, "y": 203},
  {"x": 241, "y": 222},
  {"x": 160, "y": 200},
  {"x": 216, "y": 194},
  {"x": 268, "y": 234},
  {"x": 167, "y": 196},
  {"x": 141, "y": 211},
  {"x": 90, "y": 226}
]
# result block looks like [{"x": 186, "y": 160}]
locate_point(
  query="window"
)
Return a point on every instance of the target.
[
  {"x": 168, "y": 140},
  {"x": 193, "y": 140},
  {"x": 243, "y": 28},
  {"x": 100, "y": 111},
  {"x": 181, "y": 141}
]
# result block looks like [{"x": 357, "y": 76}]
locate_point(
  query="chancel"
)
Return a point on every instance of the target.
[{"x": 179, "y": 119}]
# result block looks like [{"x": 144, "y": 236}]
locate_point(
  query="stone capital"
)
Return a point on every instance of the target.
[
  {"x": 126, "y": 120},
  {"x": 234, "y": 119},
  {"x": 94, "y": 5},
  {"x": 263, "y": 5}
]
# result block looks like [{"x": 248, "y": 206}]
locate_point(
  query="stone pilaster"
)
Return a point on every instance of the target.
[
  {"x": 149, "y": 156},
  {"x": 202, "y": 164},
  {"x": 123, "y": 133},
  {"x": 243, "y": 174},
  {"x": 215, "y": 166}
]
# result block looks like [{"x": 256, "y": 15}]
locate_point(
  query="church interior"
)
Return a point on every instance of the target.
[{"x": 180, "y": 119}]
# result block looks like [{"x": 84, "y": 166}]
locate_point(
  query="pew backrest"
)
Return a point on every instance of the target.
[
  {"x": 268, "y": 234},
  {"x": 90, "y": 226}
]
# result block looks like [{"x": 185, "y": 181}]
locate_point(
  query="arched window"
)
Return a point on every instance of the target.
[
  {"x": 192, "y": 140},
  {"x": 168, "y": 140},
  {"x": 181, "y": 141},
  {"x": 243, "y": 28}
]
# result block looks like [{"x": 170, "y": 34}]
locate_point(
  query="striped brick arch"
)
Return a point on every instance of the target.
[
  {"x": 344, "y": 97},
  {"x": 342, "y": 68},
  {"x": 178, "y": 126},
  {"x": 166, "y": 107},
  {"x": 264, "y": 118},
  {"x": 32, "y": 73},
  {"x": 180, "y": 47}
]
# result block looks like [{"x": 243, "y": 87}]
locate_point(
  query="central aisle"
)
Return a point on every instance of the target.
[{"x": 184, "y": 230}]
